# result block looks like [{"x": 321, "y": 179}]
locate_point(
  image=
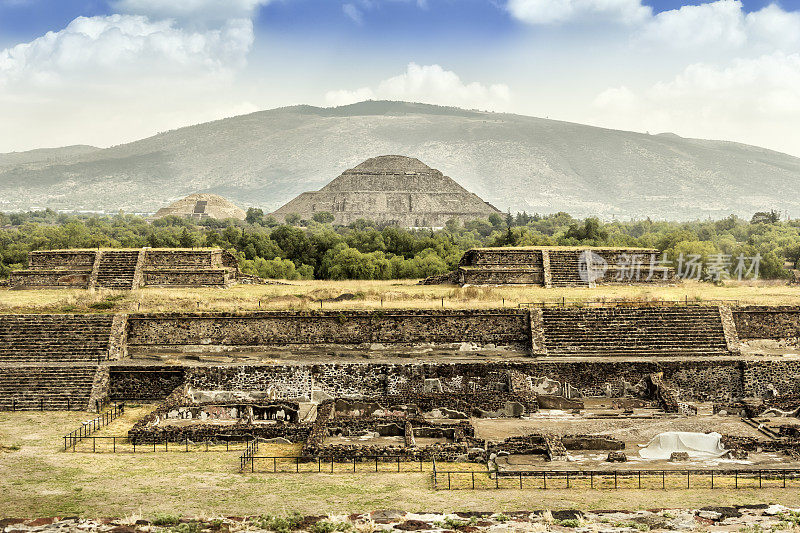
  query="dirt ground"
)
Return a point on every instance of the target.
[{"x": 632, "y": 432}]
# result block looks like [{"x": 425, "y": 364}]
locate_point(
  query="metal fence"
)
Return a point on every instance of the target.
[
  {"x": 49, "y": 403},
  {"x": 87, "y": 428},
  {"x": 578, "y": 302},
  {"x": 618, "y": 479},
  {"x": 124, "y": 444},
  {"x": 252, "y": 462}
]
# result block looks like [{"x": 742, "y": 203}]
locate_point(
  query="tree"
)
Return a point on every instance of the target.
[
  {"x": 766, "y": 217},
  {"x": 292, "y": 219},
  {"x": 323, "y": 217},
  {"x": 254, "y": 216}
]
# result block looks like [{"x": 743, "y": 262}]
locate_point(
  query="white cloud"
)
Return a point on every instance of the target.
[
  {"x": 540, "y": 12},
  {"x": 754, "y": 100},
  {"x": 772, "y": 26},
  {"x": 108, "y": 79},
  {"x": 428, "y": 84},
  {"x": 195, "y": 11},
  {"x": 720, "y": 22},
  {"x": 109, "y": 46},
  {"x": 353, "y": 12}
]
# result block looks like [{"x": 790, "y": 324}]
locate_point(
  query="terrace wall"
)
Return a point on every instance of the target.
[
  {"x": 482, "y": 384},
  {"x": 767, "y": 322},
  {"x": 499, "y": 327}
]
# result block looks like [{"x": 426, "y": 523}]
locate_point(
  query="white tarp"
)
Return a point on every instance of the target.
[{"x": 699, "y": 445}]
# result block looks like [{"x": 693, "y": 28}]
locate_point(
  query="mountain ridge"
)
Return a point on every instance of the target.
[{"x": 266, "y": 158}]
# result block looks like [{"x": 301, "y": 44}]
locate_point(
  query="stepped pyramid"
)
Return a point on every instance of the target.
[{"x": 391, "y": 189}]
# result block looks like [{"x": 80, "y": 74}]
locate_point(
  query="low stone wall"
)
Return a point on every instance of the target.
[
  {"x": 41, "y": 279},
  {"x": 497, "y": 276},
  {"x": 187, "y": 278},
  {"x": 144, "y": 383},
  {"x": 183, "y": 259},
  {"x": 498, "y": 327},
  {"x": 62, "y": 259},
  {"x": 767, "y": 322},
  {"x": 219, "y": 433}
]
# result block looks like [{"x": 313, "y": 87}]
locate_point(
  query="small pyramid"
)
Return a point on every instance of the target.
[{"x": 200, "y": 206}]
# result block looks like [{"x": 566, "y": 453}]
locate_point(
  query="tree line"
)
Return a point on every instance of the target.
[{"x": 316, "y": 249}]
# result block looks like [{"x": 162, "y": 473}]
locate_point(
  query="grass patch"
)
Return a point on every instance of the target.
[
  {"x": 42, "y": 480},
  {"x": 311, "y": 295}
]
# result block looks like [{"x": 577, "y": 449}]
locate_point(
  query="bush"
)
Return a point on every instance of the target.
[{"x": 165, "y": 520}]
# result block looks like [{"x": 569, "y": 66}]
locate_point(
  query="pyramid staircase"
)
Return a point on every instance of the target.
[
  {"x": 54, "y": 338},
  {"x": 117, "y": 269},
  {"x": 46, "y": 387},
  {"x": 635, "y": 331}
]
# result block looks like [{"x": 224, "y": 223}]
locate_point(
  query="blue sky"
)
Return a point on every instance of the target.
[{"x": 112, "y": 71}]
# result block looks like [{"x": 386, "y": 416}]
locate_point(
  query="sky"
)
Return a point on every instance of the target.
[{"x": 106, "y": 72}]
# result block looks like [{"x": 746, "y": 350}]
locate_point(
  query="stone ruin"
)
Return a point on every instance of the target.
[
  {"x": 553, "y": 266},
  {"x": 126, "y": 269},
  {"x": 201, "y": 206},
  {"x": 649, "y": 362},
  {"x": 391, "y": 189}
]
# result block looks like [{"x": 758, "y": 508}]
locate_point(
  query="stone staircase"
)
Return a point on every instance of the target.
[
  {"x": 117, "y": 269},
  {"x": 54, "y": 338},
  {"x": 564, "y": 269},
  {"x": 608, "y": 331},
  {"x": 45, "y": 387}
]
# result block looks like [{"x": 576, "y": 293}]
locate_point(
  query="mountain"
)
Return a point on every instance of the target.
[{"x": 514, "y": 162}]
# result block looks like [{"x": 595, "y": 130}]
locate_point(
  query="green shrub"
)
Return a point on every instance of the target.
[
  {"x": 324, "y": 526},
  {"x": 165, "y": 520}
]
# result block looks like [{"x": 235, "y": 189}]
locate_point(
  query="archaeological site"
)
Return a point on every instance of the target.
[
  {"x": 521, "y": 391},
  {"x": 557, "y": 266},
  {"x": 126, "y": 269}
]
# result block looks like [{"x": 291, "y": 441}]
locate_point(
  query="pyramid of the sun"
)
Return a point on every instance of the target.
[{"x": 391, "y": 189}]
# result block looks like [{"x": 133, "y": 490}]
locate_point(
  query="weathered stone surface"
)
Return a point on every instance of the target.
[
  {"x": 678, "y": 457},
  {"x": 616, "y": 457},
  {"x": 391, "y": 189}
]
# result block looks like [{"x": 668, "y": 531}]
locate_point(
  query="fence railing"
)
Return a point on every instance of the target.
[
  {"x": 618, "y": 479},
  {"x": 383, "y": 464},
  {"x": 87, "y": 428},
  {"x": 124, "y": 444},
  {"x": 50, "y": 403},
  {"x": 578, "y": 302}
]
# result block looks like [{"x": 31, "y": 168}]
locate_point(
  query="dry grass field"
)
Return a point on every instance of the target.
[
  {"x": 355, "y": 294},
  {"x": 37, "y": 478}
]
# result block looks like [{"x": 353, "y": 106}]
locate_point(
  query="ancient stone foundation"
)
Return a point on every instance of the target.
[
  {"x": 558, "y": 355},
  {"x": 126, "y": 269},
  {"x": 558, "y": 267}
]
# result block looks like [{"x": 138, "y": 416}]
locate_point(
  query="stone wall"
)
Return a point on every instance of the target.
[
  {"x": 144, "y": 383},
  {"x": 783, "y": 376},
  {"x": 498, "y": 327},
  {"x": 463, "y": 384},
  {"x": 43, "y": 279},
  {"x": 62, "y": 259},
  {"x": 183, "y": 259},
  {"x": 165, "y": 268},
  {"x": 187, "y": 278},
  {"x": 767, "y": 322}
]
